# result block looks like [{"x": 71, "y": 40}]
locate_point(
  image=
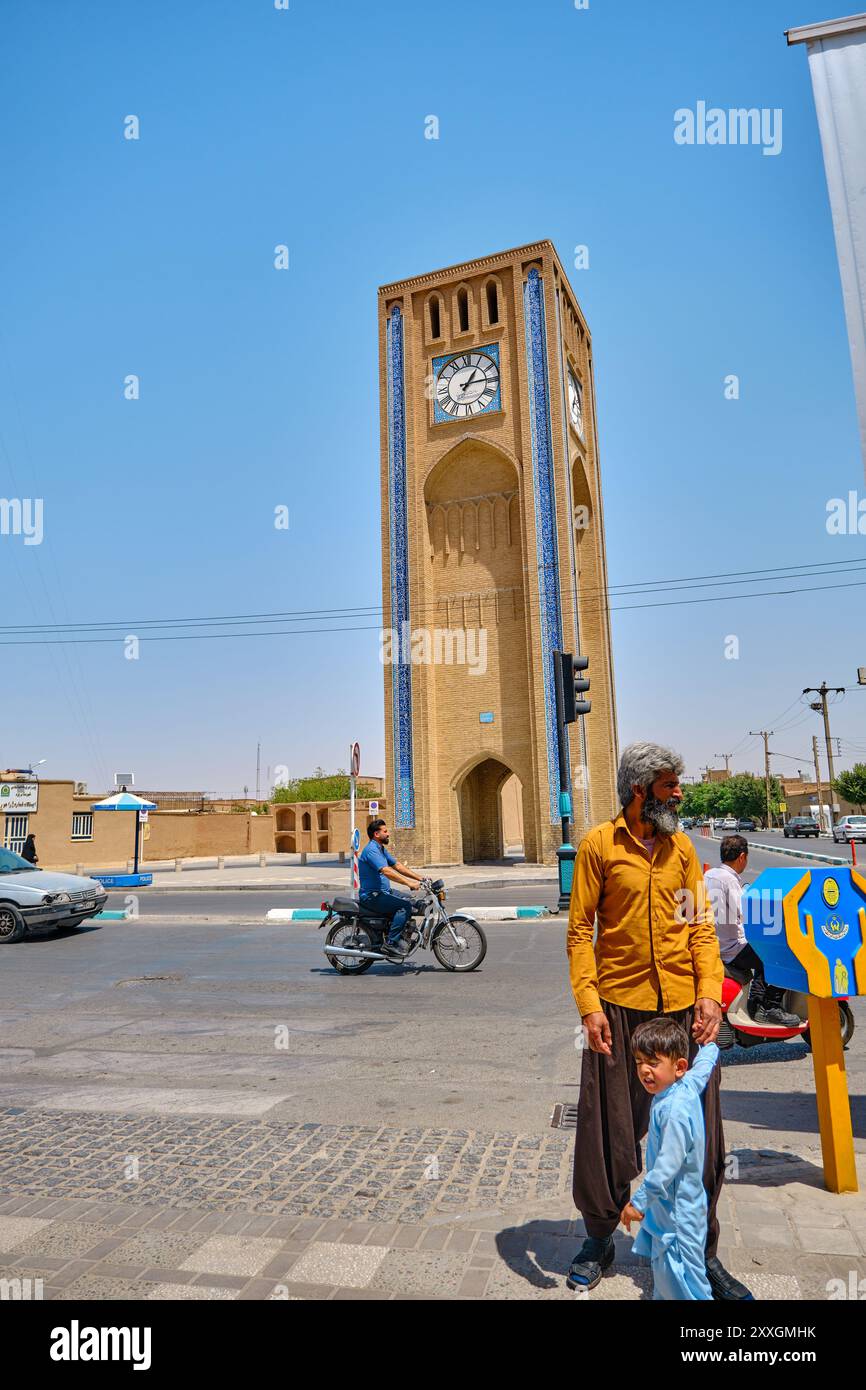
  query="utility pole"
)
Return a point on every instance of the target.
[
  {"x": 727, "y": 757},
  {"x": 823, "y": 690},
  {"x": 766, "y": 735},
  {"x": 818, "y": 781},
  {"x": 258, "y": 770}
]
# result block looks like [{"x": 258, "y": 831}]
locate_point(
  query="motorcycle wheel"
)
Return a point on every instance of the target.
[
  {"x": 846, "y": 1019},
  {"x": 458, "y": 958},
  {"x": 347, "y": 933}
]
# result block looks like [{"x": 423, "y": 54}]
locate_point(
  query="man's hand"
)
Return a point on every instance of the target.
[
  {"x": 598, "y": 1033},
  {"x": 628, "y": 1215},
  {"x": 707, "y": 1020}
]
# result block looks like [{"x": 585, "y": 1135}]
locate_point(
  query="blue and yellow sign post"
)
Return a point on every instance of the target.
[{"x": 809, "y": 928}]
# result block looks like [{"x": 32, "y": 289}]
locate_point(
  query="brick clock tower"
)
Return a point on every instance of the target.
[{"x": 493, "y": 556}]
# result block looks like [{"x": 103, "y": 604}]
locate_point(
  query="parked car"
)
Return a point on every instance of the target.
[
  {"x": 745, "y": 823},
  {"x": 801, "y": 825},
  {"x": 849, "y": 828},
  {"x": 31, "y": 897},
  {"x": 729, "y": 823},
  {"x": 686, "y": 823}
]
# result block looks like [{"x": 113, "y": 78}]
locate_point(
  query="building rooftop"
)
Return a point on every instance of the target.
[{"x": 828, "y": 28}]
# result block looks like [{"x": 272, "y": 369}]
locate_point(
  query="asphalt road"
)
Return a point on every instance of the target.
[{"x": 188, "y": 1020}]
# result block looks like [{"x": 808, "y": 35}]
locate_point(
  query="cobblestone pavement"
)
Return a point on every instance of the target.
[{"x": 114, "y": 1206}]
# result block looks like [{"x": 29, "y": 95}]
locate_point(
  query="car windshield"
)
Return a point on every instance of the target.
[{"x": 13, "y": 863}]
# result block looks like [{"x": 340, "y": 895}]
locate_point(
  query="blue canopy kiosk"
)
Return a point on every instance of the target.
[{"x": 126, "y": 801}]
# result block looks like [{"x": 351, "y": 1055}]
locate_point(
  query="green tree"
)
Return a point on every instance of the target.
[
  {"x": 321, "y": 786},
  {"x": 746, "y": 796},
  {"x": 701, "y": 799},
  {"x": 851, "y": 785}
]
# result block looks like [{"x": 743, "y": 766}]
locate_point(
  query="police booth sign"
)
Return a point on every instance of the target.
[{"x": 809, "y": 928}]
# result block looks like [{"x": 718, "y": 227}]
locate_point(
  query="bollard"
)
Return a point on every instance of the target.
[
  {"x": 342, "y": 856},
  {"x": 178, "y": 865},
  {"x": 706, "y": 868},
  {"x": 221, "y": 862},
  {"x": 303, "y": 856},
  {"x": 853, "y": 855},
  {"x": 262, "y": 860},
  {"x": 79, "y": 869}
]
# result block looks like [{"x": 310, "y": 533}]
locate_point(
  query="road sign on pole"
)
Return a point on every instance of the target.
[{"x": 355, "y": 768}]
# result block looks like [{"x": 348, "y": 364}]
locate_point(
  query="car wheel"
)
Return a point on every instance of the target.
[{"x": 12, "y": 926}]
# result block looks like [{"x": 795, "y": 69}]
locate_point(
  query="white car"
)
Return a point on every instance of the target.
[
  {"x": 31, "y": 897},
  {"x": 849, "y": 828},
  {"x": 729, "y": 823}
]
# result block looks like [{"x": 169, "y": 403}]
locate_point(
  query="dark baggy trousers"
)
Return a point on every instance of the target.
[{"x": 612, "y": 1119}]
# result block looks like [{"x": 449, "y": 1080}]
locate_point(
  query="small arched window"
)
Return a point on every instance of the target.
[
  {"x": 492, "y": 302},
  {"x": 435, "y": 317},
  {"x": 463, "y": 310}
]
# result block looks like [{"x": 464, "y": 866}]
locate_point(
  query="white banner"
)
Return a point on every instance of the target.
[
  {"x": 18, "y": 796},
  {"x": 837, "y": 62}
]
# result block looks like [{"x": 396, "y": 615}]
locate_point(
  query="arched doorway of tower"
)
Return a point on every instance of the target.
[{"x": 490, "y": 800}]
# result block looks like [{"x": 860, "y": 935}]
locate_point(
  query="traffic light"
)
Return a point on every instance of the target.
[{"x": 574, "y": 685}]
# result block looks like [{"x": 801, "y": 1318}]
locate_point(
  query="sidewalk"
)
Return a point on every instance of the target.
[
  {"x": 229, "y": 1210},
  {"x": 328, "y": 874}
]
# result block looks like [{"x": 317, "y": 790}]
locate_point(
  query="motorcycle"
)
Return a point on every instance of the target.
[
  {"x": 355, "y": 936},
  {"x": 740, "y": 1029}
]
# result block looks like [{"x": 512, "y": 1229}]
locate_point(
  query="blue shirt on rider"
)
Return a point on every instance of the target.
[{"x": 371, "y": 861}]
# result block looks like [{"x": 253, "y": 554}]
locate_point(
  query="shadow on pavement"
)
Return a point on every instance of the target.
[
  {"x": 541, "y": 1251},
  {"x": 786, "y": 1110}
]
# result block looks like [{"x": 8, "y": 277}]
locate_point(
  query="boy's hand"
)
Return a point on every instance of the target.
[{"x": 628, "y": 1215}]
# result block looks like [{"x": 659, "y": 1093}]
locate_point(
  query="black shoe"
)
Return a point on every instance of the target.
[
  {"x": 776, "y": 1016},
  {"x": 590, "y": 1262},
  {"x": 395, "y": 954},
  {"x": 724, "y": 1286}
]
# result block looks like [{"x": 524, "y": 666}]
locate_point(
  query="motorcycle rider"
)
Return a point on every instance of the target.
[
  {"x": 724, "y": 887},
  {"x": 377, "y": 867}
]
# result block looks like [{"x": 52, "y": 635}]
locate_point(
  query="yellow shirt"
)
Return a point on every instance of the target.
[{"x": 654, "y": 941}]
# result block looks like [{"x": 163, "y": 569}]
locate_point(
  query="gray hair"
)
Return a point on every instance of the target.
[{"x": 641, "y": 764}]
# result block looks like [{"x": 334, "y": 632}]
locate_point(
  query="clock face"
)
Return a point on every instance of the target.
[
  {"x": 467, "y": 385},
  {"x": 575, "y": 402}
]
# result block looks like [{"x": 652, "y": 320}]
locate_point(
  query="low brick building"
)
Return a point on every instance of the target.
[
  {"x": 321, "y": 827},
  {"x": 69, "y": 832}
]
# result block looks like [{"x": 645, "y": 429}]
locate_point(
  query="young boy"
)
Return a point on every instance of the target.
[{"x": 671, "y": 1202}]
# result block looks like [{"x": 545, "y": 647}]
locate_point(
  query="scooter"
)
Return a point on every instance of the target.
[{"x": 739, "y": 1029}]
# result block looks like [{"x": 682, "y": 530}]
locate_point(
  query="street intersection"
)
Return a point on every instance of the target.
[{"x": 194, "y": 1105}]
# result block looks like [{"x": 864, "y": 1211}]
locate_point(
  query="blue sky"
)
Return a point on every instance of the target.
[{"x": 259, "y": 388}]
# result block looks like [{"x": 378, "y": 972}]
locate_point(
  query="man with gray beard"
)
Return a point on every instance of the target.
[{"x": 638, "y": 882}]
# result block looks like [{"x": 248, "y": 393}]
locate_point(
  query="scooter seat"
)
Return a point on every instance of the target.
[{"x": 740, "y": 977}]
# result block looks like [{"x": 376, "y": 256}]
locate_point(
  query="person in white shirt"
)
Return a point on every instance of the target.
[{"x": 724, "y": 887}]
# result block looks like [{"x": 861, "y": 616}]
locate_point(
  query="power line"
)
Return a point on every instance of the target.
[
  {"x": 637, "y": 588},
  {"x": 124, "y": 629}
]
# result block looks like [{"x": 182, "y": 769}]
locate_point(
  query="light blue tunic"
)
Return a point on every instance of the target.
[{"x": 673, "y": 1232}]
